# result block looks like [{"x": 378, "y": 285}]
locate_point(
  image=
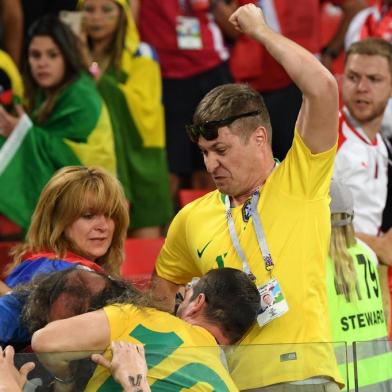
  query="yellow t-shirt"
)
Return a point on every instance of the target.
[
  {"x": 294, "y": 211},
  {"x": 179, "y": 355}
]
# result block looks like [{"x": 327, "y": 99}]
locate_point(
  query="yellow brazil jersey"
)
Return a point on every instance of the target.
[
  {"x": 294, "y": 210},
  {"x": 179, "y": 356}
]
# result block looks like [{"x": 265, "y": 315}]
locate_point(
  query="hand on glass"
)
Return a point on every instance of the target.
[
  {"x": 12, "y": 379},
  {"x": 128, "y": 366}
]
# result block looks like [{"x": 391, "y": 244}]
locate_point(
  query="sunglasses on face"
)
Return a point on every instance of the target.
[
  {"x": 180, "y": 297},
  {"x": 209, "y": 129}
]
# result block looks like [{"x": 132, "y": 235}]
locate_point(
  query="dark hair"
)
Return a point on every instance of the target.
[
  {"x": 232, "y": 298},
  {"x": 372, "y": 47},
  {"x": 71, "y": 287},
  {"x": 65, "y": 39},
  {"x": 230, "y": 100}
]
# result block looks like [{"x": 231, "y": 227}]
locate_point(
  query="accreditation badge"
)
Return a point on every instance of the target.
[
  {"x": 272, "y": 302},
  {"x": 188, "y": 33}
]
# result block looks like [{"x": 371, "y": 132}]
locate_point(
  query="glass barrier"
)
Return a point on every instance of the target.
[
  {"x": 371, "y": 368},
  {"x": 201, "y": 369}
]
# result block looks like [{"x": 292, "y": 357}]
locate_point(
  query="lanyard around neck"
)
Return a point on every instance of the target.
[{"x": 261, "y": 240}]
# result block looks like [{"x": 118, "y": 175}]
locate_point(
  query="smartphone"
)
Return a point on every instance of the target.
[{"x": 73, "y": 19}]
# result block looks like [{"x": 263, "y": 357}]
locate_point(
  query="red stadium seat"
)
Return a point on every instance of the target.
[
  {"x": 185, "y": 196},
  {"x": 8, "y": 229},
  {"x": 140, "y": 257},
  {"x": 5, "y": 258}
]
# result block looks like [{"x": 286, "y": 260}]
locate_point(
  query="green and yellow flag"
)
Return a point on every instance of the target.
[
  {"x": 77, "y": 132},
  {"x": 133, "y": 95}
]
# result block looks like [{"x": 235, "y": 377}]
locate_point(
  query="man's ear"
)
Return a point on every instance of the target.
[
  {"x": 197, "y": 306},
  {"x": 260, "y": 135}
]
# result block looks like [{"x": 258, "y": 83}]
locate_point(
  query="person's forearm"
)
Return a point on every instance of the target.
[
  {"x": 317, "y": 81},
  {"x": 164, "y": 292},
  {"x": 350, "y": 9},
  {"x": 378, "y": 246},
  {"x": 317, "y": 122},
  {"x": 222, "y": 12},
  {"x": 12, "y": 16},
  {"x": 58, "y": 364}
]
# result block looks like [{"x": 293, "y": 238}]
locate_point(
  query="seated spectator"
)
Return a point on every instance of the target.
[
  {"x": 355, "y": 298},
  {"x": 70, "y": 124},
  {"x": 80, "y": 219},
  {"x": 362, "y": 157},
  {"x": 129, "y": 80},
  {"x": 182, "y": 354}
]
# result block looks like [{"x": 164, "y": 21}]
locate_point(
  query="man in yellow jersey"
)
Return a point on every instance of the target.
[
  {"x": 181, "y": 352},
  {"x": 271, "y": 221}
]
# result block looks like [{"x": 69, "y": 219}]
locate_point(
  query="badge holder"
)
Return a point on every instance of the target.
[
  {"x": 188, "y": 33},
  {"x": 272, "y": 302}
]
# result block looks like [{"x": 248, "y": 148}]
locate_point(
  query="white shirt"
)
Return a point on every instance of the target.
[{"x": 362, "y": 164}]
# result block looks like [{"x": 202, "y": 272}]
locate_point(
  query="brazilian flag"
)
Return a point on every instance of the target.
[
  {"x": 134, "y": 102},
  {"x": 132, "y": 92},
  {"x": 77, "y": 131}
]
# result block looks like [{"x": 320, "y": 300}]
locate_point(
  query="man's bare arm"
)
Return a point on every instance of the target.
[
  {"x": 382, "y": 246},
  {"x": 349, "y": 9},
  {"x": 318, "y": 119},
  {"x": 222, "y": 11},
  {"x": 164, "y": 292},
  {"x": 57, "y": 347},
  {"x": 12, "y": 20}
]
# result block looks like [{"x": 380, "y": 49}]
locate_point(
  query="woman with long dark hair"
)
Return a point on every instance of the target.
[{"x": 65, "y": 123}]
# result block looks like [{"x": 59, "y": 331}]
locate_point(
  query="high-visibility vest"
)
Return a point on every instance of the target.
[{"x": 363, "y": 354}]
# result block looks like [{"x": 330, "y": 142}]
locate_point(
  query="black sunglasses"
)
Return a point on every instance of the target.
[
  {"x": 209, "y": 129},
  {"x": 178, "y": 301}
]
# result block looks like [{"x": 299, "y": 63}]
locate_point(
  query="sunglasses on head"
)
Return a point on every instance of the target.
[{"x": 209, "y": 129}]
